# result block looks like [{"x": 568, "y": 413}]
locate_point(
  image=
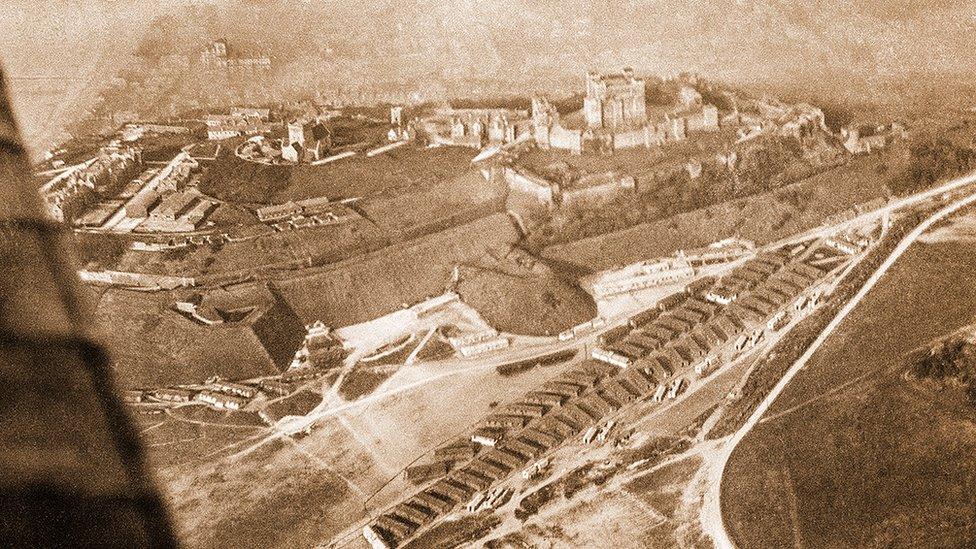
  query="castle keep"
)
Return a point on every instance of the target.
[
  {"x": 614, "y": 100},
  {"x": 614, "y": 117}
]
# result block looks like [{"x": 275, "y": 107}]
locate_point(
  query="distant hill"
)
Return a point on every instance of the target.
[
  {"x": 898, "y": 54},
  {"x": 889, "y": 51}
]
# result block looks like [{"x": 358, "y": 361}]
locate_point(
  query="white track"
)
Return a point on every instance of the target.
[{"x": 711, "y": 513}]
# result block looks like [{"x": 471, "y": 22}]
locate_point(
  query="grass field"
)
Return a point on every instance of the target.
[
  {"x": 405, "y": 169},
  {"x": 154, "y": 346},
  {"x": 296, "y": 404},
  {"x": 316, "y": 245},
  {"x": 432, "y": 201},
  {"x": 527, "y": 303},
  {"x": 852, "y": 454},
  {"x": 363, "y": 288},
  {"x": 363, "y": 381}
]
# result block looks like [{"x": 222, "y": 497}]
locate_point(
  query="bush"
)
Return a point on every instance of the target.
[
  {"x": 100, "y": 251},
  {"x": 931, "y": 159},
  {"x": 952, "y": 361}
]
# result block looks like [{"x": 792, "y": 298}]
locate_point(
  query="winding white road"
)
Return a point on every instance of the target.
[{"x": 711, "y": 512}]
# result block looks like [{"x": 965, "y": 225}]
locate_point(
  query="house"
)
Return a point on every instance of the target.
[
  {"x": 231, "y": 388},
  {"x": 487, "y": 437},
  {"x": 419, "y": 474},
  {"x": 375, "y": 539},
  {"x": 173, "y": 395},
  {"x": 647, "y": 277},
  {"x": 276, "y": 212},
  {"x": 172, "y": 206},
  {"x": 221, "y": 401},
  {"x": 611, "y": 357}
]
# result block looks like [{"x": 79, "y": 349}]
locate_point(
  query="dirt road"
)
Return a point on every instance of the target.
[{"x": 711, "y": 512}]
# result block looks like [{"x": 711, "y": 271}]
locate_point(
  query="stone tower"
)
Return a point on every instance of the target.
[{"x": 614, "y": 100}]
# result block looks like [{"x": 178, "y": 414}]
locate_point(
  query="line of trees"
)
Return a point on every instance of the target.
[{"x": 931, "y": 159}]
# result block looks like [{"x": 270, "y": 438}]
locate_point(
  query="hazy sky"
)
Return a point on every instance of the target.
[
  {"x": 829, "y": 44},
  {"x": 892, "y": 34},
  {"x": 78, "y": 39}
]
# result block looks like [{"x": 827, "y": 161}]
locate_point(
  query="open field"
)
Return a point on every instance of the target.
[
  {"x": 226, "y": 507},
  {"x": 762, "y": 218},
  {"x": 363, "y": 381},
  {"x": 854, "y": 455},
  {"x": 298, "y": 403},
  {"x": 526, "y": 303},
  {"x": 176, "y": 444},
  {"x": 316, "y": 486},
  {"x": 401, "y": 170},
  {"x": 366, "y": 287},
  {"x": 153, "y": 345},
  {"x": 431, "y": 205},
  {"x": 405, "y": 169}
]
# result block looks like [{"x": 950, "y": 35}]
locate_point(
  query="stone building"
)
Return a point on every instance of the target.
[
  {"x": 549, "y": 131},
  {"x": 475, "y": 128},
  {"x": 614, "y": 100},
  {"x": 307, "y": 141},
  {"x": 553, "y": 191},
  {"x": 218, "y": 57},
  {"x": 864, "y": 139},
  {"x": 614, "y": 117}
]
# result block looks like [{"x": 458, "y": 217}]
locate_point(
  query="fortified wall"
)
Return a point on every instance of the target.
[{"x": 615, "y": 118}]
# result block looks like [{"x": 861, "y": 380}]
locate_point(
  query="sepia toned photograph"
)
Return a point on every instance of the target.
[{"x": 493, "y": 274}]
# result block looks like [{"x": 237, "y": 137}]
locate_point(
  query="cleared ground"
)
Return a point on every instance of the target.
[
  {"x": 315, "y": 487},
  {"x": 854, "y": 455}
]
